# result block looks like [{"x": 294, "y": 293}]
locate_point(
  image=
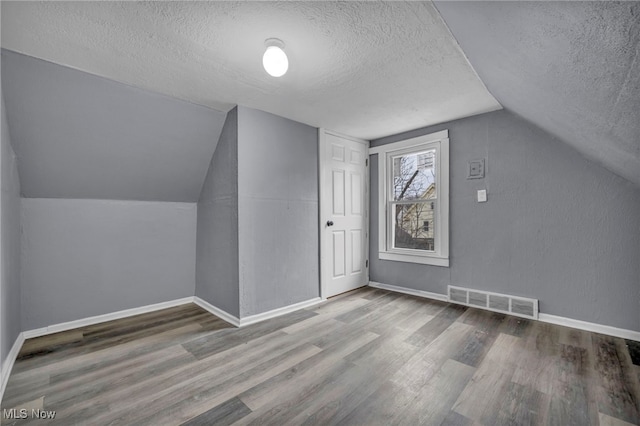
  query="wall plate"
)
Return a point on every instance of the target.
[{"x": 475, "y": 169}]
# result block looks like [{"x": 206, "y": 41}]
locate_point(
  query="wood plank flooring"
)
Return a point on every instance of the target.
[{"x": 369, "y": 357}]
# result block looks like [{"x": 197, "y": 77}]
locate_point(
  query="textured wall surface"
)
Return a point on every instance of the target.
[
  {"x": 10, "y": 319},
  {"x": 217, "y": 241},
  {"x": 81, "y": 136},
  {"x": 572, "y": 68},
  {"x": 556, "y": 227},
  {"x": 90, "y": 257},
  {"x": 278, "y": 211},
  {"x": 368, "y": 69}
]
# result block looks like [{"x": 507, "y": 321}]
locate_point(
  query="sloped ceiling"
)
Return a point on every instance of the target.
[
  {"x": 367, "y": 69},
  {"x": 572, "y": 68},
  {"x": 77, "y": 135}
]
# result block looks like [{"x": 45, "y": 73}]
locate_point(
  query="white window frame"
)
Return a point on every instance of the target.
[{"x": 440, "y": 142}]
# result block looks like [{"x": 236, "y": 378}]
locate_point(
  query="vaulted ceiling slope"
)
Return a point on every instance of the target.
[
  {"x": 572, "y": 68},
  {"x": 367, "y": 69},
  {"x": 77, "y": 135}
]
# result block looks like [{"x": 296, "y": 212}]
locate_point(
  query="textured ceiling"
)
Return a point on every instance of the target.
[
  {"x": 572, "y": 68},
  {"x": 77, "y": 135},
  {"x": 368, "y": 69}
]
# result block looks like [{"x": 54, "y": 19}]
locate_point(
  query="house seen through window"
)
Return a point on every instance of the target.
[{"x": 414, "y": 192}]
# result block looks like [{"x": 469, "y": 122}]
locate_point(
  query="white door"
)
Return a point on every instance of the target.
[{"x": 344, "y": 205}]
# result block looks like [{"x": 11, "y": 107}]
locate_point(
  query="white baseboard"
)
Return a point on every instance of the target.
[
  {"x": 56, "y": 328},
  {"x": 590, "y": 326},
  {"x": 548, "y": 318},
  {"x": 8, "y": 363},
  {"x": 252, "y": 319},
  {"x": 224, "y": 315},
  {"x": 405, "y": 290}
]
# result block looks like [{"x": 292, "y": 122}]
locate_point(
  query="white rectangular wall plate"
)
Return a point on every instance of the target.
[{"x": 482, "y": 195}]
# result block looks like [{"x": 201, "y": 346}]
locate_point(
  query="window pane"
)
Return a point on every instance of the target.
[
  {"x": 414, "y": 225},
  {"x": 414, "y": 176}
]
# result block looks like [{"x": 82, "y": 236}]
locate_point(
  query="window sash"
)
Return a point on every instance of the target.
[
  {"x": 390, "y": 222},
  {"x": 430, "y": 216}
]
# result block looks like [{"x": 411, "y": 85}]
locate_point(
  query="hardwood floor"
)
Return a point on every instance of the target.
[{"x": 369, "y": 357}]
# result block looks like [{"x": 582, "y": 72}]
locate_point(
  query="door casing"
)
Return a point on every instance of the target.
[{"x": 324, "y": 199}]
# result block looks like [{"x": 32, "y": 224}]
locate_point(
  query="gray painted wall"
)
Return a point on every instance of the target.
[
  {"x": 278, "y": 211},
  {"x": 556, "y": 226},
  {"x": 10, "y": 248},
  {"x": 217, "y": 240},
  {"x": 82, "y": 258},
  {"x": 78, "y": 135}
]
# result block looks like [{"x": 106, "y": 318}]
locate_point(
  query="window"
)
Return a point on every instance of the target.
[{"x": 413, "y": 187}]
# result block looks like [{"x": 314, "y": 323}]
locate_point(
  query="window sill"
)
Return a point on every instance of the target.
[{"x": 425, "y": 260}]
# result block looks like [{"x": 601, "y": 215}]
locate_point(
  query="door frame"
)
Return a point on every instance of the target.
[{"x": 324, "y": 202}]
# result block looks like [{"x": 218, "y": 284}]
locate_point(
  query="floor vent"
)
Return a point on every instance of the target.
[{"x": 512, "y": 305}]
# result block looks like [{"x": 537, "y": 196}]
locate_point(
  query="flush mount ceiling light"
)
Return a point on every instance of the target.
[{"x": 274, "y": 60}]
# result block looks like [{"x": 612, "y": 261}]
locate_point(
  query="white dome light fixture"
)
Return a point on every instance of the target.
[{"x": 274, "y": 60}]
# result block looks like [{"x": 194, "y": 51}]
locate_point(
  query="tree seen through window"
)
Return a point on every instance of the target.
[{"x": 414, "y": 198}]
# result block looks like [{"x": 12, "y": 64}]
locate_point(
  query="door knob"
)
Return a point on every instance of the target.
[{"x": 329, "y": 223}]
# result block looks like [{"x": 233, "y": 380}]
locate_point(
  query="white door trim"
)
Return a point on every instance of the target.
[{"x": 323, "y": 203}]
